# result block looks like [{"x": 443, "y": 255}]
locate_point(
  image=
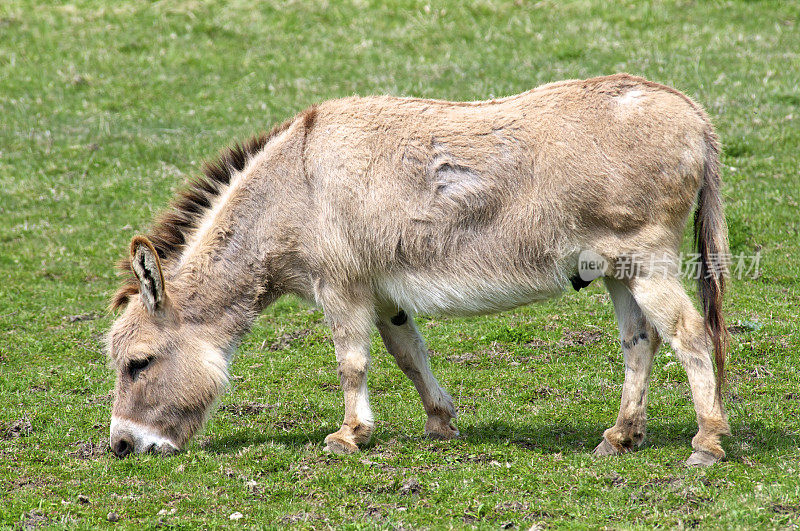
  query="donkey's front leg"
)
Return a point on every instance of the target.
[{"x": 351, "y": 325}]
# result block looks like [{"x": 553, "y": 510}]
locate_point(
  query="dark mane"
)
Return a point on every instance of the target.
[{"x": 172, "y": 228}]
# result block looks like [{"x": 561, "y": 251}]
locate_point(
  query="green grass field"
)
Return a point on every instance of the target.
[{"x": 107, "y": 107}]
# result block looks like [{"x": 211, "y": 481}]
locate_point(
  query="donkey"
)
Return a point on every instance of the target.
[{"x": 380, "y": 208}]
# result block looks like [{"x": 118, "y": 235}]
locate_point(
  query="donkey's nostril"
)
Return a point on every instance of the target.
[{"x": 123, "y": 447}]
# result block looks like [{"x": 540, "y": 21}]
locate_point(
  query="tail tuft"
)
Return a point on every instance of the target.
[{"x": 711, "y": 242}]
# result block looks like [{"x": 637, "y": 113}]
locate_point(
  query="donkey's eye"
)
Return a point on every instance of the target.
[{"x": 137, "y": 366}]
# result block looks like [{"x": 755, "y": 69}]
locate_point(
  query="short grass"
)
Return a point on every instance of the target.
[{"x": 106, "y": 107}]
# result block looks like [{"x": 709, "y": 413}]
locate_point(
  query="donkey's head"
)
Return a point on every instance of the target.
[{"x": 168, "y": 371}]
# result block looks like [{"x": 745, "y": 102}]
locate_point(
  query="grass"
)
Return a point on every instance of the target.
[{"x": 106, "y": 107}]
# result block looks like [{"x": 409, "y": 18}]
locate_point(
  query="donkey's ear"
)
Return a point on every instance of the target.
[{"x": 147, "y": 267}]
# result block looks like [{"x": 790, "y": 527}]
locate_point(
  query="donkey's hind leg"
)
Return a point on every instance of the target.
[
  {"x": 640, "y": 342},
  {"x": 667, "y": 306},
  {"x": 403, "y": 341}
]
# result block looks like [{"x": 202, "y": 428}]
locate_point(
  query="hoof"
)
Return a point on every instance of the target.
[
  {"x": 338, "y": 447},
  {"x": 347, "y": 439},
  {"x": 452, "y": 433},
  {"x": 439, "y": 430},
  {"x": 701, "y": 458},
  {"x": 605, "y": 449}
]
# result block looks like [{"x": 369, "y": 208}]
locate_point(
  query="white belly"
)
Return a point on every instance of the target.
[{"x": 446, "y": 295}]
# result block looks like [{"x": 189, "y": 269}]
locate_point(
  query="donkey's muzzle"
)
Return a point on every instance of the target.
[{"x": 130, "y": 437}]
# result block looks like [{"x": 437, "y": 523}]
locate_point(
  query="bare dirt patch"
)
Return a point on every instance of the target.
[
  {"x": 537, "y": 343},
  {"x": 247, "y": 408},
  {"x": 545, "y": 392},
  {"x": 467, "y": 358},
  {"x": 334, "y": 386},
  {"x": 785, "y": 509},
  {"x": 33, "y": 520},
  {"x": 743, "y": 327},
  {"x": 100, "y": 399},
  {"x": 302, "y": 516},
  {"x": 542, "y": 352},
  {"x": 35, "y": 482},
  {"x": 454, "y": 456},
  {"x": 287, "y": 424},
  {"x": 18, "y": 428},
  {"x": 380, "y": 511},
  {"x": 516, "y": 506},
  {"x": 410, "y": 486},
  {"x": 90, "y": 449},
  {"x": 579, "y": 338},
  {"x": 615, "y": 480},
  {"x": 287, "y": 339},
  {"x": 81, "y": 317}
]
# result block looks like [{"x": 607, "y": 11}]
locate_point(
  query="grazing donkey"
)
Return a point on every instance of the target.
[{"x": 380, "y": 208}]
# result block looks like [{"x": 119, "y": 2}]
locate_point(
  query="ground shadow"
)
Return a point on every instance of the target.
[
  {"x": 576, "y": 436},
  {"x": 582, "y": 436},
  {"x": 295, "y": 439}
]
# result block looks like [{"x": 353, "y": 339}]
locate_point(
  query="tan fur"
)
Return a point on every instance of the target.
[{"x": 367, "y": 206}]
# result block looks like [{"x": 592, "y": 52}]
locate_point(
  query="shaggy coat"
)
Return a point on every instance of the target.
[{"x": 379, "y": 208}]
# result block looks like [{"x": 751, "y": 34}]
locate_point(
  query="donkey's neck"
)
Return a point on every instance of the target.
[{"x": 227, "y": 271}]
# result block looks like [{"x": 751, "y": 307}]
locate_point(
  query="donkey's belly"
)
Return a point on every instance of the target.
[{"x": 449, "y": 295}]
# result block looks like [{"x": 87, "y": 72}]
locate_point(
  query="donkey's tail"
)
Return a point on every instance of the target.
[{"x": 711, "y": 242}]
